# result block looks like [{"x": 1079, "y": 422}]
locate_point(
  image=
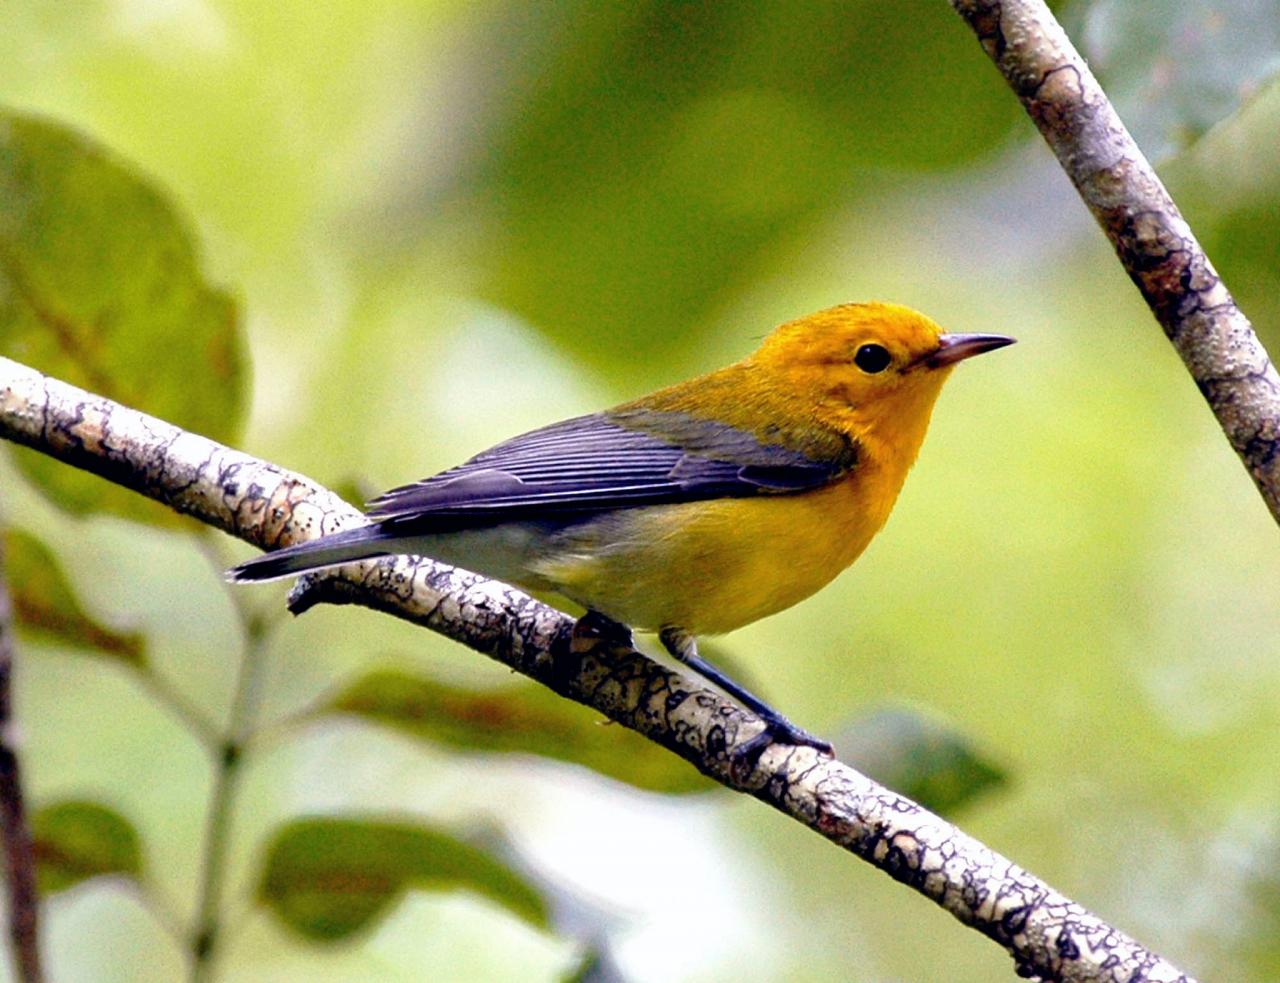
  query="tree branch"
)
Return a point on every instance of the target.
[
  {"x": 20, "y": 860},
  {"x": 1154, "y": 242},
  {"x": 1048, "y": 935}
]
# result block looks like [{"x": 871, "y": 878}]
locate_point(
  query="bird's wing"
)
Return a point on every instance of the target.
[{"x": 607, "y": 461}]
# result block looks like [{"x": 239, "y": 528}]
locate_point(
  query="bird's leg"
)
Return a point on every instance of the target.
[
  {"x": 593, "y": 629},
  {"x": 682, "y": 645}
]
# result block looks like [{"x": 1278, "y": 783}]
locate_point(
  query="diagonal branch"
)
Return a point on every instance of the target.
[
  {"x": 1154, "y": 242},
  {"x": 1048, "y": 935}
]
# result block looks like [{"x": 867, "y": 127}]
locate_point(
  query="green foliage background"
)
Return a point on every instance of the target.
[{"x": 445, "y": 223}]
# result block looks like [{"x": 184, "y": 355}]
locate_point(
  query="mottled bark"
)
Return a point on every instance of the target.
[
  {"x": 1048, "y": 935},
  {"x": 15, "y": 834},
  {"x": 1154, "y": 243}
]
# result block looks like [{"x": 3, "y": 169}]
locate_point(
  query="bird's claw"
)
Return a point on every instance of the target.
[
  {"x": 593, "y": 630},
  {"x": 777, "y": 730}
]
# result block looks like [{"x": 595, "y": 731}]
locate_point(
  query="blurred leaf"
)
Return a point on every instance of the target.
[
  {"x": 1227, "y": 183},
  {"x": 1228, "y": 186},
  {"x": 77, "y": 840},
  {"x": 1196, "y": 81},
  {"x": 1174, "y": 68},
  {"x": 100, "y": 286},
  {"x": 45, "y": 605},
  {"x": 597, "y": 965},
  {"x": 528, "y": 718},
  {"x": 330, "y": 878},
  {"x": 919, "y": 758},
  {"x": 641, "y": 159},
  {"x": 1258, "y": 943},
  {"x": 571, "y": 913}
]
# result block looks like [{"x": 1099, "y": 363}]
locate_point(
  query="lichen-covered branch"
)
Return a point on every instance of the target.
[
  {"x": 1153, "y": 241},
  {"x": 1048, "y": 935},
  {"x": 15, "y": 834}
]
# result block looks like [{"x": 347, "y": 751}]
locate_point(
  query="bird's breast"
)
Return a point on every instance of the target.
[{"x": 713, "y": 566}]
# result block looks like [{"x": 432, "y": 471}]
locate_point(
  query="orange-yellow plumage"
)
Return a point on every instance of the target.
[
  {"x": 712, "y": 566},
  {"x": 723, "y": 563},
  {"x": 698, "y": 508}
]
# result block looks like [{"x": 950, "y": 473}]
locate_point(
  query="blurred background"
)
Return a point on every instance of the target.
[{"x": 430, "y": 225}]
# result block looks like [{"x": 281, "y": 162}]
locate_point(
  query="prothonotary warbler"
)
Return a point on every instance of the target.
[{"x": 698, "y": 508}]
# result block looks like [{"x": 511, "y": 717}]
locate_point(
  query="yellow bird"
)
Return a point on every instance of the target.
[{"x": 698, "y": 508}]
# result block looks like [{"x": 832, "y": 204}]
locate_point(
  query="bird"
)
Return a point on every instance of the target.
[{"x": 696, "y": 509}]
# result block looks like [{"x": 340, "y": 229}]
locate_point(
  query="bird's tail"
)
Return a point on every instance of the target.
[{"x": 327, "y": 551}]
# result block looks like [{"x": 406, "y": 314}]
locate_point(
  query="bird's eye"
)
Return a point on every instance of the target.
[{"x": 872, "y": 359}]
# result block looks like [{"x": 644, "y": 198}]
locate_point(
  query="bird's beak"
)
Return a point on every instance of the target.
[{"x": 954, "y": 348}]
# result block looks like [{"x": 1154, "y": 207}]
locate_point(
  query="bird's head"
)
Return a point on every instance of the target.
[{"x": 873, "y": 369}]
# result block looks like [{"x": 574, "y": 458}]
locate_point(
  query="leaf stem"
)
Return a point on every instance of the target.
[
  {"x": 229, "y": 765},
  {"x": 183, "y": 709}
]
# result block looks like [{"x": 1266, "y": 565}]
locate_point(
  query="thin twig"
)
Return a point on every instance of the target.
[
  {"x": 1047, "y": 934},
  {"x": 183, "y": 710},
  {"x": 20, "y": 865},
  {"x": 1155, "y": 245},
  {"x": 163, "y": 907},
  {"x": 229, "y": 765}
]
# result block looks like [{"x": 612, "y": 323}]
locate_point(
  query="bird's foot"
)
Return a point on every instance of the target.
[
  {"x": 593, "y": 629},
  {"x": 777, "y": 730}
]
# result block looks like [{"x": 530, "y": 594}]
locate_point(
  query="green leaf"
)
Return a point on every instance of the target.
[
  {"x": 919, "y": 758},
  {"x": 1174, "y": 68},
  {"x": 76, "y": 840},
  {"x": 1228, "y": 187},
  {"x": 329, "y": 878},
  {"x": 596, "y": 965},
  {"x": 1247, "y": 848},
  {"x": 45, "y": 605},
  {"x": 100, "y": 286},
  {"x": 526, "y": 718}
]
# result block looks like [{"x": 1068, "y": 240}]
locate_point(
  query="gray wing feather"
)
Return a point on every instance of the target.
[{"x": 600, "y": 462}]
